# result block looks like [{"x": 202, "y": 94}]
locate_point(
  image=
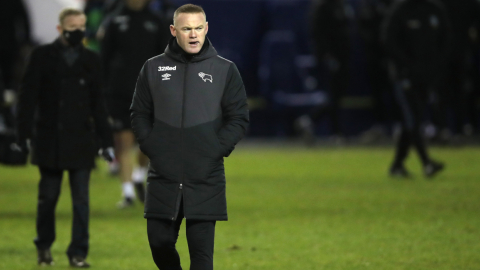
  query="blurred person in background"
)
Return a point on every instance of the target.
[
  {"x": 371, "y": 15},
  {"x": 460, "y": 90},
  {"x": 14, "y": 35},
  {"x": 417, "y": 36},
  {"x": 113, "y": 5},
  {"x": 132, "y": 36},
  {"x": 162, "y": 8},
  {"x": 99, "y": 12},
  {"x": 331, "y": 42},
  {"x": 61, "y": 110},
  {"x": 94, "y": 10},
  {"x": 189, "y": 111}
]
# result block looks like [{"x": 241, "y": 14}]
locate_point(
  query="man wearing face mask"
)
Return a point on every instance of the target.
[
  {"x": 189, "y": 110},
  {"x": 62, "y": 112}
]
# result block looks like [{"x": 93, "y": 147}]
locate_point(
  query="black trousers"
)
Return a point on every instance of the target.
[
  {"x": 163, "y": 235},
  {"x": 48, "y": 193},
  {"x": 412, "y": 100}
]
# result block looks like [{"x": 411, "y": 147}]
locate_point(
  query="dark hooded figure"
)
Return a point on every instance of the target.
[{"x": 417, "y": 36}]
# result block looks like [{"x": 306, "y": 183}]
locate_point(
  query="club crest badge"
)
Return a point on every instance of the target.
[{"x": 206, "y": 77}]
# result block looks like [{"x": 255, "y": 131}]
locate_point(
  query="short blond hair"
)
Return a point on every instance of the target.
[
  {"x": 68, "y": 12},
  {"x": 188, "y": 8}
]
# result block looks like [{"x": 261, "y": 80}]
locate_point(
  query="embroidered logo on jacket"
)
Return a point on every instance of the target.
[
  {"x": 206, "y": 77},
  {"x": 166, "y": 68},
  {"x": 166, "y": 76}
]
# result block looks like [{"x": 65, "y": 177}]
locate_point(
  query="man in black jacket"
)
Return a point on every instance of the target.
[
  {"x": 133, "y": 34},
  {"x": 189, "y": 111},
  {"x": 416, "y": 35},
  {"x": 61, "y": 97}
]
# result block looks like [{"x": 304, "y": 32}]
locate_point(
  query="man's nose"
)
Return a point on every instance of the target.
[{"x": 193, "y": 34}]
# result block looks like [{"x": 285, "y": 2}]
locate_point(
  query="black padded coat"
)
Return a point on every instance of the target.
[{"x": 187, "y": 114}]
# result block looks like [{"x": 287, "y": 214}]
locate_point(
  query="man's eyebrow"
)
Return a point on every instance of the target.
[{"x": 185, "y": 27}]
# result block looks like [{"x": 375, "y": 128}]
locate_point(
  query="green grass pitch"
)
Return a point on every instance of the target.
[{"x": 289, "y": 208}]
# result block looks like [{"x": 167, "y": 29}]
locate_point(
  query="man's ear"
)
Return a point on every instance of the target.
[
  {"x": 206, "y": 28},
  {"x": 59, "y": 29},
  {"x": 172, "y": 30}
]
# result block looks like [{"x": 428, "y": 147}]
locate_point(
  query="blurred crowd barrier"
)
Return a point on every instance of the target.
[{"x": 271, "y": 43}]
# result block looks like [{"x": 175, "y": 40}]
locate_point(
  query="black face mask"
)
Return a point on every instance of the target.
[{"x": 74, "y": 37}]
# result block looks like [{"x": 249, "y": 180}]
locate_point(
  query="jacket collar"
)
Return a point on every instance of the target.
[
  {"x": 56, "y": 50},
  {"x": 174, "y": 51},
  {"x": 58, "y": 47}
]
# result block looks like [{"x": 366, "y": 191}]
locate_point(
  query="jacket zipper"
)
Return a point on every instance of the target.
[{"x": 180, "y": 187}]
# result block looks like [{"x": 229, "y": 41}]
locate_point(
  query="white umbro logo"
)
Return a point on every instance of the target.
[
  {"x": 166, "y": 76},
  {"x": 166, "y": 68},
  {"x": 206, "y": 77}
]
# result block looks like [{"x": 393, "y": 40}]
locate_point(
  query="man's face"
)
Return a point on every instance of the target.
[
  {"x": 72, "y": 23},
  {"x": 190, "y": 30}
]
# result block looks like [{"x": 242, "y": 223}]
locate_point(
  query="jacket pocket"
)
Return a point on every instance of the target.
[
  {"x": 145, "y": 145},
  {"x": 163, "y": 146},
  {"x": 220, "y": 148}
]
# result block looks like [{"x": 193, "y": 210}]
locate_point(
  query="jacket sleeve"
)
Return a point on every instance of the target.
[
  {"x": 234, "y": 110},
  {"x": 28, "y": 97},
  {"x": 100, "y": 115},
  {"x": 141, "y": 110}
]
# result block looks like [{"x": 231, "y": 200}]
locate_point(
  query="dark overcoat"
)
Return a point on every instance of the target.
[{"x": 61, "y": 108}]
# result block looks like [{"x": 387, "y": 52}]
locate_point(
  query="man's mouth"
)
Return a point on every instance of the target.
[{"x": 194, "y": 43}]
